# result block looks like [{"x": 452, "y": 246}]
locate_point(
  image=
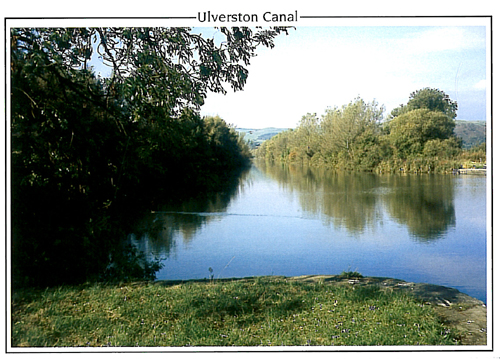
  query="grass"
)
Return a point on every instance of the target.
[{"x": 262, "y": 311}]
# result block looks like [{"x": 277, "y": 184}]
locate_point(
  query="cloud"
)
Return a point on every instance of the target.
[
  {"x": 481, "y": 85},
  {"x": 314, "y": 68},
  {"x": 445, "y": 39}
]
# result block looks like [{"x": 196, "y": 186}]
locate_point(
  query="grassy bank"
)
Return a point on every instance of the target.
[{"x": 262, "y": 311}]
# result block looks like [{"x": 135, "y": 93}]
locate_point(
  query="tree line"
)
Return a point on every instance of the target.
[
  {"x": 87, "y": 152},
  {"x": 415, "y": 137}
]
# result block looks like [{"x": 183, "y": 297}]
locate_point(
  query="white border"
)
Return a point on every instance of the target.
[{"x": 46, "y": 17}]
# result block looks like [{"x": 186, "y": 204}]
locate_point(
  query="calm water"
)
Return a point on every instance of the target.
[{"x": 294, "y": 221}]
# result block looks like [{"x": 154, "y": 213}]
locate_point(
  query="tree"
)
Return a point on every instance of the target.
[
  {"x": 83, "y": 146},
  {"x": 448, "y": 148},
  {"x": 336, "y": 134},
  {"x": 410, "y": 131},
  {"x": 431, "y": 99},
  {"x": 429, "y": 115},
  {"x": 434, "y": 100},
  {"x": 226, "y": 144},
  {"x": 341, "y": 127},
  {"x": 306, "y": 136},
  {"x": 369, "y": 150},
  {"x": 66, "y": 155}
]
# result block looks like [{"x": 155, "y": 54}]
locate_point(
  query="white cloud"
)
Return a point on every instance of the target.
[
  {"x": 316, "y": 68},
  {"x": 481, "y": 85},
  {"x": 443, "y": 39}
]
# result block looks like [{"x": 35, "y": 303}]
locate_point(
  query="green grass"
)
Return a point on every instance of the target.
[{"x": 266, "y": 311}]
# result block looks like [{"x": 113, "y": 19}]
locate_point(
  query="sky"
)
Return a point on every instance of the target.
[
  {"x": 328, "y": 63},
  {"x": 380, "y": 59},
  {"x": 316, "y": 67}
]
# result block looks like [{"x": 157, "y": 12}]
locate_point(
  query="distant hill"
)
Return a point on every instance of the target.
[
  {"x": 472, "y": 132},
  {"x": 257, "y": 136}
]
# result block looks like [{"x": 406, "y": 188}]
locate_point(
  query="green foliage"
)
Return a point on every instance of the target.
[
  {"x": 227, "y": 147},
  {"x": 369, "y": 150},
  {"x": 341, "y": 127},
  {"x": 476, "y": 154},
  {"x": 88, "y": 152},
  {"x": 431, "y": 99},
  {"x": 417, "y": 137},
  {"x": 341, "y": 136},
  {"x": 410, "y": 131},
  {"x": 448, "y": 148},
  {"x": 66, "y": 151}
]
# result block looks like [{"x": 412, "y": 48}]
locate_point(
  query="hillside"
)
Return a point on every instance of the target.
[
  {"x": 471, "y": 132},
  {"x": 257, "y": 136}
]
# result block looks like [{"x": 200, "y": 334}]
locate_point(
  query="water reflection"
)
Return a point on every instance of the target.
[
  {"x": 356, "y": 201},
  {"x": 156, "y": 231},
  {"x": 353, "y": 201},
  {"x": 423, "y": 203},
  {"x": 298, "y": 220}
]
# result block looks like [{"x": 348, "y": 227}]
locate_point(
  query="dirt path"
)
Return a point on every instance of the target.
[{"x": 457, "y": 310}]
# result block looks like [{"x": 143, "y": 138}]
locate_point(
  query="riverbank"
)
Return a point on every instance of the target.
[
  {"x": 457, "y": 310},
  {"x": 259, "y": 311}
]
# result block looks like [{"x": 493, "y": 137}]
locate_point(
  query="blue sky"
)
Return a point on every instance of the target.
[
  {"x": 329, "y": 62},
  {"x": 314, "y": 68}
]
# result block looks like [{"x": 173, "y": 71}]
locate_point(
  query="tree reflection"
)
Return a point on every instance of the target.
[
  {"x": 350, "y": 200},
  {"x": 155, "y": 232},
  {"x": 424, "y": 203},
  {"x": 355, "y": 201},
  {"x": 342, "y": 199}
]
